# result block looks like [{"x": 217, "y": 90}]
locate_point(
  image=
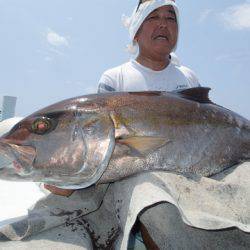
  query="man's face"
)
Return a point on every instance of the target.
[{"x": 158, "y": 33}]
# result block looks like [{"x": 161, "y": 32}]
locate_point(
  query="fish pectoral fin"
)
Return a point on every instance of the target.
[{"x": 143, "y": 144}]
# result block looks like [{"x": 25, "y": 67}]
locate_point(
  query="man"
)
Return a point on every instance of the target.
[{"x": 154, "y": 30}]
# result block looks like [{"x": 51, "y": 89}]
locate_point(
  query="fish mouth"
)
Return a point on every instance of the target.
[
  {"x": 15, "y": 159},
  {"x": 7, "y": 169},
  {"x": 4, "y": 161}
]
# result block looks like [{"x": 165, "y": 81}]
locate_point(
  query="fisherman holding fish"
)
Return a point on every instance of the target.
[
  {"x": 154, "y": 31},
  {"x": 104, "y": 138}
]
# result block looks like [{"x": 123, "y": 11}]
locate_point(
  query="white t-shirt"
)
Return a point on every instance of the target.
[{"x": 133, "y": 76}]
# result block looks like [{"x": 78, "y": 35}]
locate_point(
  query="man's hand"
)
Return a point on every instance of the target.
[{"x": 59, "y": 191}]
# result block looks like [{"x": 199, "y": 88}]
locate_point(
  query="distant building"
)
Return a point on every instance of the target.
[{"x": 7, "y": 107}]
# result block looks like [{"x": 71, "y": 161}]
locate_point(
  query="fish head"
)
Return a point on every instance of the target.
[{"x": 67, "y": 148}]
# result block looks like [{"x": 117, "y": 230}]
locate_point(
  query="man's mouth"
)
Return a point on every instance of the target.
[{"x": 161, "y": 38}]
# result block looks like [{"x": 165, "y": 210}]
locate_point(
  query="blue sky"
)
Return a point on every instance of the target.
[{"x": 52, "y": 50}]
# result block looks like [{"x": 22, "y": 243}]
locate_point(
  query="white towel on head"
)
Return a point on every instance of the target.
[{"x": 134, "y": 22}]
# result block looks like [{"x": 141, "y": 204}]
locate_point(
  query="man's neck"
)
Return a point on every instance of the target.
[{"x": 156, "y": 64}]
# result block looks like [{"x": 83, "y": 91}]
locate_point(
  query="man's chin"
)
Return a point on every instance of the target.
[
  {"x": 162, "y": 50},
  {"x": 163, "y": 45}
]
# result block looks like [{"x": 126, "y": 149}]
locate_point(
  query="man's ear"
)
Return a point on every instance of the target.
[{"x": 137, "y": 33}]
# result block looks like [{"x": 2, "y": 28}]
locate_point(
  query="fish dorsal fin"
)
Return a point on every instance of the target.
[
  {"x": 147, "y": 93},
  {"x": 199, "y": 94},
  {"x": 143, "y": 144}
]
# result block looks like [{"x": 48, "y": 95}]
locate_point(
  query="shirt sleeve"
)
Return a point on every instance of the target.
[
  {"x": 191, "y": 76},
  {"x": 106, "y": 84}
]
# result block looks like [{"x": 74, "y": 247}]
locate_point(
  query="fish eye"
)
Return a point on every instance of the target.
[{"x": 42, "y": 125}]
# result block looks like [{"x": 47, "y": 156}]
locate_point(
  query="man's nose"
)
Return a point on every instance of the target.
[{"x": 163, "y": 22}]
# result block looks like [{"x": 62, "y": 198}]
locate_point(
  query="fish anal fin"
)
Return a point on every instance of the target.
[{"x": 143, "y": 144}]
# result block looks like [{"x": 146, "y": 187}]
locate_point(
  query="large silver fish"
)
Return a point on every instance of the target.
[{"x": 103, "y": 138}]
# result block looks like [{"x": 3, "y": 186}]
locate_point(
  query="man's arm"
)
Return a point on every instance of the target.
[
  {"x": 191, "y": 77},
  {"x": 106, "y": 84}
]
